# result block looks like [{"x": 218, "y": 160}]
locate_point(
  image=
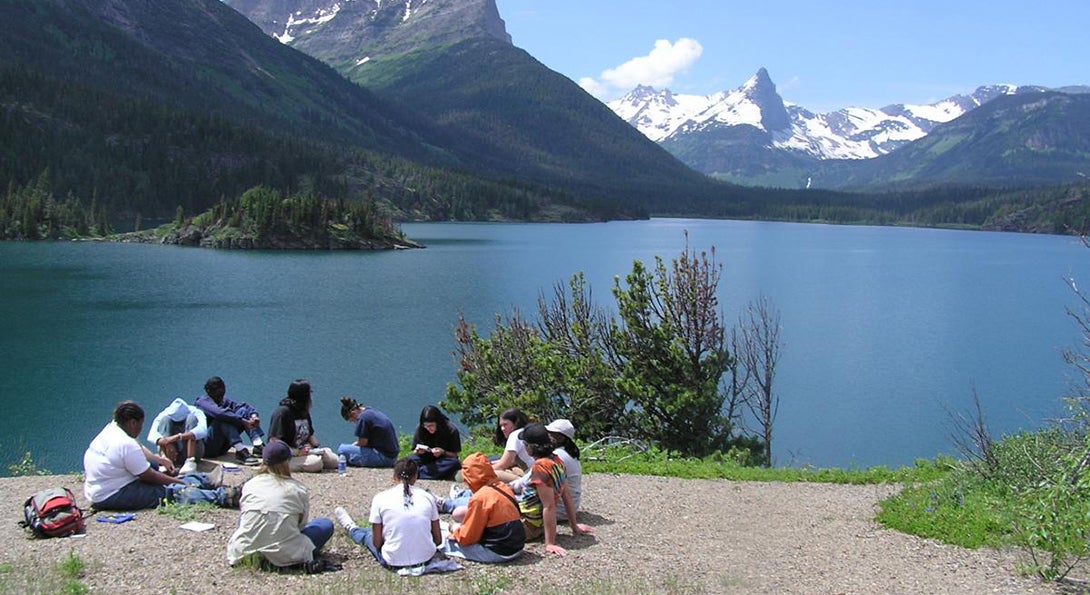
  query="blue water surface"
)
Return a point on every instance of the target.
[{"x": 887, "y": 332}]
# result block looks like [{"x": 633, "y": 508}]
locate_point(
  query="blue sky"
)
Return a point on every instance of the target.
[{"x": 821, "y": 55}]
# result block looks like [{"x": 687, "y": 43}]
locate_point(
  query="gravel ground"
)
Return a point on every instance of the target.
[{"x": 654, "y": 535}]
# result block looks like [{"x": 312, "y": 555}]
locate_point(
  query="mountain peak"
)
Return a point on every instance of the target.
[
  {"x": 762, "y": 92},
  {"x": 356, "y": 31}
]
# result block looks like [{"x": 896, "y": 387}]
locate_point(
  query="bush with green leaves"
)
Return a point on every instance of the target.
[{"x": 652, "y": 372}]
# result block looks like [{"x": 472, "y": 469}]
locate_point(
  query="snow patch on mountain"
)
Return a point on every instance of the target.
[
  {"x": 849, "y": 133},
  {"x": 296, "y": 20}
]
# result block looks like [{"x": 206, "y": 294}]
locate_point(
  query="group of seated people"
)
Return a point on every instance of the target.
[{"x": 507, "y": 501}]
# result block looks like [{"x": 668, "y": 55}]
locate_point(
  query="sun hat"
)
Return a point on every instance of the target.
[
  {"x": 275, "y": 452},
  {"x": 562, "y": 426},
  {"x": 177, "y": 411}
]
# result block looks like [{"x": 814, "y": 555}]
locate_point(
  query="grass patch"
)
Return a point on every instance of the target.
[
  {"x": 63, "y": 577},
  {"x": 957, "y": 509},
  {"x": 198, "y": 511}
]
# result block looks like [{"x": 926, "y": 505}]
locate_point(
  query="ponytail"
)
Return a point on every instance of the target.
[{"x": 405, "y": 471}]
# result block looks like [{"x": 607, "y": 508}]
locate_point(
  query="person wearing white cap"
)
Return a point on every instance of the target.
[
  {"x": 184, "y": 423},
  {"x": 562, "y": 433}
]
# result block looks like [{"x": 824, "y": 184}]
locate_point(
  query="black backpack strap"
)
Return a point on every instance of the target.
[{"x": 505, "y": 495}]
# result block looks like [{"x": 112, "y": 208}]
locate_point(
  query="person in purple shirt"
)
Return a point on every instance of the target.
[
  {"x": 227, "y": 420},
  {"x": 376, "y": 439}
]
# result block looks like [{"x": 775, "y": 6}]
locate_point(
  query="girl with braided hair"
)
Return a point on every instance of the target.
[{"x": 404, "y": 527}]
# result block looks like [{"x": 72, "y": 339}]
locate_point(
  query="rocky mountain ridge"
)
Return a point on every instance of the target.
[{"x": 847, "y": 133}]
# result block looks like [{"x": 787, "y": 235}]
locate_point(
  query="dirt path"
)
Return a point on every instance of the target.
[{"x": 654, "y": 535}]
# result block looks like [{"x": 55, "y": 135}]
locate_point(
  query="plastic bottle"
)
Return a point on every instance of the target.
[{"x": 342, "y": 464}]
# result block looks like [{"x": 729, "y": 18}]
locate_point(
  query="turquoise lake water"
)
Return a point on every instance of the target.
[{"x": 887, "y": 332}]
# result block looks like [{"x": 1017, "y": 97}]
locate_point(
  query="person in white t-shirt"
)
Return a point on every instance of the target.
[
  {"x": 515, "y": 460},
  {"x": 562, "y": 433},
  {"x": 404, "y": 527}
]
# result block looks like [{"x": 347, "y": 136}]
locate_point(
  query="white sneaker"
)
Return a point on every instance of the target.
[
  {"x": 190, "y": 466},
  {"x": 344, "y": 519}
]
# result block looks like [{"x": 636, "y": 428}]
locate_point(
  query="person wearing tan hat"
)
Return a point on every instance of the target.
[{"x": 275, "y": 522}]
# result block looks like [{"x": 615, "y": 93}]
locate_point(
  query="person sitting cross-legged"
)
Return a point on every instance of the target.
[
  {"x": 404, "y": 529},
  {"x": 376, "y": 439}
]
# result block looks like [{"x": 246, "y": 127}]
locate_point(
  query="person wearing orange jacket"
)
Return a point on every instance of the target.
[{"x": 492, "y": 529}]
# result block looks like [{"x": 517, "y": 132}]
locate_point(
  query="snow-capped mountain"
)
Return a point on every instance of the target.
[
  {"x": 353, "y": 32},
  {"x": 849, "y": 133}
]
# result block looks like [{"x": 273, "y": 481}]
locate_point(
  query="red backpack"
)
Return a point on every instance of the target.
[{"x": 53, "y": 513}]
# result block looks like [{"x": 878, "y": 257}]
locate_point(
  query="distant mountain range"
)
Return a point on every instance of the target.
[
  {"x": 151, "y": 109},
  {"x": 751, "y": 135},
  {"x": 502, "y": 111}
]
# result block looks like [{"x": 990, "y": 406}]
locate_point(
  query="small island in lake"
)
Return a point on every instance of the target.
[{"x": 263, "y": 219}]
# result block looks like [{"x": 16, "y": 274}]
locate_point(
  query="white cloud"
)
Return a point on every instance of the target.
[{"x": 656, "y": 69}]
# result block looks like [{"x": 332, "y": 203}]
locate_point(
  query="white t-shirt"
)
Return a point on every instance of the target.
[
  {"x": 518, "y": 445},
  {"x": 573, "y": 481},
  {"x": 406, "y": 531},
  {"x": 112, "y": 461}
]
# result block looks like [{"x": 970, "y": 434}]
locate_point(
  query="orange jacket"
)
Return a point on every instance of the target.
[{"x": 492, "y": 517}]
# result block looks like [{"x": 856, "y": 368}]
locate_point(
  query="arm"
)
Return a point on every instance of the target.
[
  {"x": 225, "y": 412},
  {"x": 436, "y": 534},
  {"x": 505, "y": 462},
  {"x": 282, "y": 426},
  {"x": 569, "y": 506},
  {"x": 155, "y": 477},
  {"x": 548, "y": 512},
  {"x": 451, "y": 444},
  {"x": 376, "y": 535},
  {"x": 158, "y": 460},
  {"x": 155, "y": 432},
  {"x": 362, "y": 430},
  {"x": 472, "y": 527}
]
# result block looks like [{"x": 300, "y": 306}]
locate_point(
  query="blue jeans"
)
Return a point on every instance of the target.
[
  {"x": 362, "y": 536},
  {"x": 319, "y": 531},
  {"x": 138, "y": 495},
  {"x": 475, "y": 552},
  {"x": 459, "y": 499},
  {"x": 364, "y": 456},
  {"x": 246, "y": 412},
  {"x": 221, "y": 437}
]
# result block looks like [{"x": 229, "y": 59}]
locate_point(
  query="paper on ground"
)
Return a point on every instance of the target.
[{"x": 197, "y": 526}]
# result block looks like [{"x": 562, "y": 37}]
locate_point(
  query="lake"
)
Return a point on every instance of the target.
[{"x": 887, "y": 332}]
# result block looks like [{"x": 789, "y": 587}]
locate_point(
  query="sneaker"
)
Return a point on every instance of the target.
[
  {"x": 190, "y": 466},
  {"x": 455, "y": 491},
  {"x": 244, "y": 457},
  {"x": 258, "y": 449},
  {"x": 441, "y": 505},
  {"x": 344, "y": 519}
]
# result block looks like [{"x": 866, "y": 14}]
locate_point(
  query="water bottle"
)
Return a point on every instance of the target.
[{"x": 342, "y": 464}]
